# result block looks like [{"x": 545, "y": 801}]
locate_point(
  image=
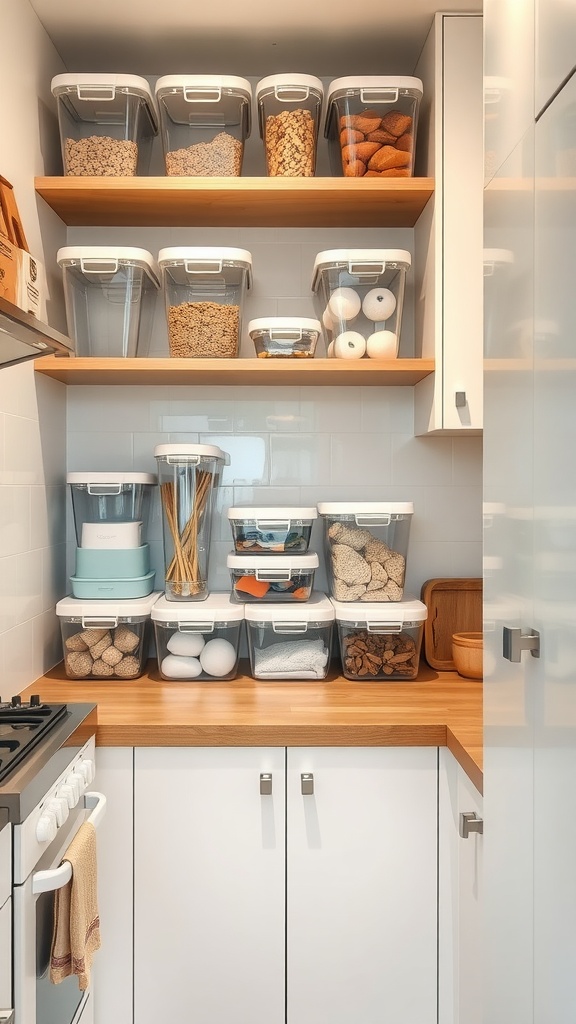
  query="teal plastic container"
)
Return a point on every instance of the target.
[
  {"x": 112, "y": 589},
  {"x": 117, "y": 563}
]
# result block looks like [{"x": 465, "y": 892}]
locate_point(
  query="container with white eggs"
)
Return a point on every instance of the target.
[
  {"x": 359, "y": 296},
  {"x": 198, "y": 641}
]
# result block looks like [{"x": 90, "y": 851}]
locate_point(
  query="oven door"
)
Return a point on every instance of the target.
[{"x": 36, "y": 999}]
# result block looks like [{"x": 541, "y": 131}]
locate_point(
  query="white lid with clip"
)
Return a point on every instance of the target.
[
  {"x": 268, "y": 515},
  {"x": 201, "y": 616},
  {"x": 273, "y": 568},
  {"x": 372, "y": 90},
  {"x": 381, "y": 617},
  {"x": 105, "y": 613},
  {"x": 358, "y": 262},
  {"x": 365, "y": 513},
  {"x": 190, "y": 99},
  {"x": 289, "y": 89},
  {"x": 206, "y": 260},
  {"x": 190, "y": 453},
  {"x": 292, "y": 618},
  {"x": 108, "y": 259},
  {"x": 112, "y": 479},
  {"x": 284, "y": 329},
  {"x": 92, "y": 90}
]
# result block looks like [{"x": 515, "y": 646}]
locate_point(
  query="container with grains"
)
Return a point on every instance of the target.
[
  {"x": 379, "y": 643},
  {"x": 204, "y": 290},
  {"x": 105, "y": 639},
  {"x": 289, "y": 109},
  {"x": 107, "y": 124},
  {"x": 204, "y": 121}
]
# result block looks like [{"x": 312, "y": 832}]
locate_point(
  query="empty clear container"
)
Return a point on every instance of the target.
[
  {"x": 379, "y": 642},
  {"x": 200, "y": 642},
  {"x": 272, "y": 578},
  {"x": 110, "y": 293},
  {"x": 107, "y": 124},
  {"x": 204, "y": 290},
  {"x": 110, "y": 499},
  {"x": 204, "y": 121},
  {"x": 289, "y": 109},
  {"x": 271, "y": 530},
  {"x": 284, "y": 337},
  {"x": 291, "y": 642},
  {"x": 105, "y": 639}
]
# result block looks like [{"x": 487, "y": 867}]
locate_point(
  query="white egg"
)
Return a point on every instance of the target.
[
  {"x": 218, "y": 657},
  {"x": 382, "y": 345},
  {"x": 379, "y": 304},
  {"x": 173, "y": 666},
  {"x": 344, "y": 304},
  {"x": 327, "y": 320},
  {"x": 330, "y": 350},
  {"x": 189, "y": 644},
  {"x": 349, "y": 345}
]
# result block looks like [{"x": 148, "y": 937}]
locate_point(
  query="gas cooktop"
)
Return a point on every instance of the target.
[{"x": 22, "y": 726}]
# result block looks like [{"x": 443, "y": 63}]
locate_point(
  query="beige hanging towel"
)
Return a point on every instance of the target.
[{"x": 76, "y": 935}]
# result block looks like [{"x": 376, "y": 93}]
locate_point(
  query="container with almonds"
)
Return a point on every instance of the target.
[
  {"x": 379, "y": 643},
  {"x": 371, "y": 126}
]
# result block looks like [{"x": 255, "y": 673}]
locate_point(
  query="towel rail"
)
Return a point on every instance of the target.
[{"x": 56, "y": 878}]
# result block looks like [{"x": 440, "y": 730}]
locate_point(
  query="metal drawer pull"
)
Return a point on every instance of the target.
[
  {"x": 307, "y": 784},
  {"x": 470, "y": 822},
  {"x": 265, "y": 784},
  {"x": 514, "y": 641}
]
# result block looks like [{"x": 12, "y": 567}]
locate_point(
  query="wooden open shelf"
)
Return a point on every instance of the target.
[
  {"x": 237, "y": 372},
  {"x": 237, "y": 202}
]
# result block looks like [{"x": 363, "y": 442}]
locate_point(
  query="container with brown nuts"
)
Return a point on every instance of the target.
[
  {"x": 105, "y": 639},
  {"x": 289, "y": 114},
  {"x": 380, "y": 644}
]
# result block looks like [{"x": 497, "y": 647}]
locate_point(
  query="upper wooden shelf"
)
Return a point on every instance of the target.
[
  {"x": 237, "y": 202},
  {"x": 237, "y": 372}
]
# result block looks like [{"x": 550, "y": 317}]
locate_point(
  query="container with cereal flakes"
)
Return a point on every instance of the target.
[
  {"x": 379, "y": 642},
  {"x": 107, "y": 124},
  {"x": 289, "y": 108},
  {"x": 105, "y": 639},
  {"x": 204, "y": 290}
]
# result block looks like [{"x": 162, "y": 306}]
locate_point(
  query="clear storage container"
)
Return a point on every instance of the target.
[
  {"x": 107, "y": 124},
  {"x": 105, "y": 639},
  {"x": 379, "y": 642},
  {"x": 204, "y": 291},
  {"x": 284, "y": 337},
  {"x": 110, "y": 293},
  {"x": 199, "y": 642},
  {"x": 271, "y": 530},
  {"x": 189, "y": 475},
  {"x": 366, "y": 544},
  {"x": 292, "y": 642},
  {"x": 266, "y": 578},
  {"x": 109, "y": 499},
  {"x": 359, "y": 296},
  {"x": 371, "y": 126},
  {"x": 289, "y": 108},
  {"x": 204, "y": 120}
]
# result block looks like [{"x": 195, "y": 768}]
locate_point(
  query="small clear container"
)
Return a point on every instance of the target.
[
  {"x": 291, "y": 642},
  {"x": 204, "y": 289},
  {"x": 107, "y": 124},
  {"x": 366, "y": 544},
  {"x": 264, "y": 579},
  {"x": 371, "y": 126},
  {"x": 189, "y": 475},
  {"x": 110, "y": 499},
  {"x": 379, "y": 643},
  {"x": 284, "y": 337},
  {"x": 204, "y": 120},
  {"x": 110, "y": 292},
  {"x": 359, "y": 297},
  {"x": 271, "y": 530},
  {"x": 289, "y": 109},
  {"x": 105, "y": 639},
  {"x": 200, "y": 642}
]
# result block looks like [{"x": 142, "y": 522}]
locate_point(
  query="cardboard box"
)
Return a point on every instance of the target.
[{"x": 20, "y": 278}]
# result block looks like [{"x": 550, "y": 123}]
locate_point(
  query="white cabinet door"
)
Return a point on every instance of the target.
[
  {"x": 5, "y": 957},
  {"x": 209, "y": 886},
  {"x": 361, "y": 889},
  {"x": 508, "y": 81},
  {"x": 555, "y": 34}
]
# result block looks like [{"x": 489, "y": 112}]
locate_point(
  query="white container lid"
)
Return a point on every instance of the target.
[
  {"x": 288, "y": 564},
  {"x": 355, "y": 258},
  {"x": 216, "y": 608},
  {"x": 103, "y": 257},
  {"x": 111, "y": 478},
  {"x": 272, "y": 513},
  {"x": 344, "y": 85},
  {"x": 318, "y": 608},
  {"x": 73, "y": 607},
  {"x": 286, "y": 81},
  {"x": 385, "y": 613},
  {"x": 186, "y": 95},
  {"x": 183, "y": 254},
  {"x": 360, "y": 508},
  {"x": 204, "y": 451},
  {"x": 91, "y": 87},
  {"x": 294, "y": 324},
  {"x": 192, "y": 82}
]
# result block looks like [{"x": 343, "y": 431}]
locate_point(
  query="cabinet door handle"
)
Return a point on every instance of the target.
[
  {"x": 514, "y": 641},
  {"x": 307, "y": 784},
  {"x": 265, "y": 784},
  {"x": 470, "y": 822}
]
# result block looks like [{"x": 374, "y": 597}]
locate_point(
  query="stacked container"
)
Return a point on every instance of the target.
[
  {"x": 105, "y": 639},
  {"x": 380, "y": 642},
  {"x": 284, "y": 337},
  {"x": 200, "y": 641},
  {"x": 271, "y": 561},
  {"x": 289, "y": 108},
  {"x": 290, "y": 642}
]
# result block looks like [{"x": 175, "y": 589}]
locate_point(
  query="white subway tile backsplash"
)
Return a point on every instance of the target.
[
  {"x": 387, "y": 410},
  {"x": 340, "y": 410},
  {"x": 299, "y": 458},
  {"x": 261, "y": 409},
  {"x": 15, "y": 534},
  {"x": 359, "y": 457},
  {"x": 249, "y": 461},
  {"x": 467, "y": 458},
  {"x": 421, "y": 460},
  {"x": 23, "y": 462},
  {"x": 98, "y": 451}
]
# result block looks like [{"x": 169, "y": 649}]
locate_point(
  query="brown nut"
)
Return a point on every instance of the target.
[
  {"x": 387, "y": 157},
  {"x": 405, "y": 142},
  {"x": 395, "y": 172},
  {"x": 396, "y": 122},
  {"x": 355, "y": 169},
  {"x": 363, "y": 151},
  {"x": 361, "y": 122},
  {"x": 381, "y": 136},
  {"x": 348, "y": 136}
]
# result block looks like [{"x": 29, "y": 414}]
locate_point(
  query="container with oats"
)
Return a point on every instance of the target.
[
  {"x": 107, "y": 124},
  {"x": 105, "y": 639},
  {"x": 204, "y": 120},
  {"x": 289, "y": 109},
  {"x": 366, "y": 544},
  {"x": 371, "y": 126},
  {"x": 204, "y": 289},
  {"x": 380, "y": 643}
]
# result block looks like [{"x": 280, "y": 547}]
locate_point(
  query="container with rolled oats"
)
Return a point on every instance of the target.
[
  {"x": 289, "y": 109},
  {"x": 204, "y": 290},
  {"x": 204, "y": 120},
  {"x": 107, "y": 124}
]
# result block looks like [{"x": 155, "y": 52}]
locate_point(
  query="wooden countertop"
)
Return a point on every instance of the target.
[{"x": 437, "y": 709}]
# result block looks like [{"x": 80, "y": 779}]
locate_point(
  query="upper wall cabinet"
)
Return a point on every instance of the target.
[
  {"x": 555, "y": 38},
  {"x": 509, "y": 78},
  {"x": 448, "y": 235}
]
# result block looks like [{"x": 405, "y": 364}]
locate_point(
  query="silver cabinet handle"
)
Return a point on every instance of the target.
[
  {"x": 514, "y": 641},
  {"x": 307, "y": 784},
  {"x": 460, "y": 400},
  {"x": 470, "y": 822},
  {"x": 265, "y": 784}
]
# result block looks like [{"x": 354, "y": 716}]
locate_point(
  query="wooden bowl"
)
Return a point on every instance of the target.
[{"x": 467, "y": 650}]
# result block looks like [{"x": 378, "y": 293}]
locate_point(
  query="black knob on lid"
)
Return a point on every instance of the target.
[
  {"x": 35, "y": 700},
  {"x": 16, "y": 701}
]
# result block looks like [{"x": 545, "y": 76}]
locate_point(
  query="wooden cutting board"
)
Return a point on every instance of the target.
[{"x": 454, "y": 606}]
